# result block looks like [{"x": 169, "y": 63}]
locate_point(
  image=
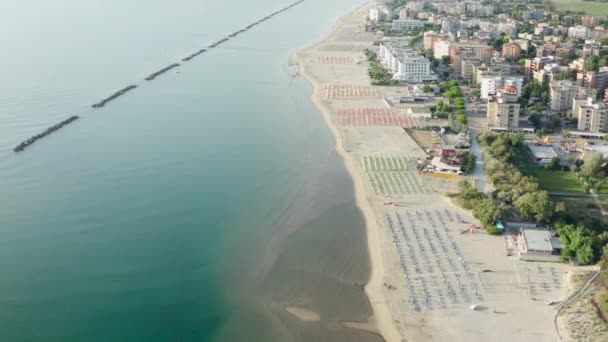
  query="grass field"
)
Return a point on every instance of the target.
[
  {"x": 592, "y": 8},
  {"x": 559, "y": 181},
  {"x": 584, "y": 206}
]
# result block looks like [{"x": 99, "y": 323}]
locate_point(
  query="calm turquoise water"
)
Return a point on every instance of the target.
[{"x": 194, "y": 208}]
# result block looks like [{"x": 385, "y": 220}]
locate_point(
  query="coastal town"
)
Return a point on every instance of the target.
[{"x": 476, "y": 133}]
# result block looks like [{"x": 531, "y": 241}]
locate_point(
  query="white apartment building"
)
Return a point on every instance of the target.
[
  {"x": 592, "y": 116},
  {"x": 490, "y": 84},
  {"x": 407, "y": 25},
  {"x": 562, "y": 94},
  {"x": 503, "y": 109},
  {"x": 579, "y": 31},
  {"x": 441, "y": 48},
  {"x": 377, "y": 14},
  {"x": 406, "y": 64}
]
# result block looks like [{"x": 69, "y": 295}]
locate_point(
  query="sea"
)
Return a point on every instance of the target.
[{"x": 195, "y": 208}]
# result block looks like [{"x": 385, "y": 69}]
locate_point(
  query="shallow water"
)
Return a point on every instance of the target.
[{"x": 197, "y": 206}]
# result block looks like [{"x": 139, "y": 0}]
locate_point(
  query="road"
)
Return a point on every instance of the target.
[{"x": 478, "y": 174}]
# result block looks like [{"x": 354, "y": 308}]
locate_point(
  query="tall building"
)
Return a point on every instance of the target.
[
  {"x": 588, "y": 20},
  {"x": 406, "y": 64},
  {"x": 592, "y": 115},
  {"x": 537, "y": 64},
  {"x": 491, "y": 84},
  {"x": 503, "y": 109},
  {"x": 593, "y": 79},
  {"x": 377, "y": 14},
  {"x": 580, "y": 32},
  {"x": 441, "y": 48},
  {"x": 562, "y": 94},
  {"x": 511, "y": 50},
  {"x": 549, "y": 73},
  {"x": 407, "y": 25}
]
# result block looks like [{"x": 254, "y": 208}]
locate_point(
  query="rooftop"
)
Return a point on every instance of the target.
[
  {"x": 542, "y": 152},
  {"x": 537, "y": 240}
]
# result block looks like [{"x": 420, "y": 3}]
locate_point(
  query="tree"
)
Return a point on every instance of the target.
[
  {"x": 461, "y": 119},
  {"x": 535, "y": 205},
  {"x": 534, "y": 118},
  {"x": 475, "y": 92},
  {"x": 486, "y": 212},
  {"x": 565, "y": 133},
  {"x": 426, "y": 88},
  {"x": 553, "y": 164},
  {"x": 593, "y": 166},
  {"x": 446, "y": 60},
  {"x": 469, "y": 163}
]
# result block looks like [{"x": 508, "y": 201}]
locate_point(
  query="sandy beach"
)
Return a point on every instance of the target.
[{"x": 426, "y": 276}]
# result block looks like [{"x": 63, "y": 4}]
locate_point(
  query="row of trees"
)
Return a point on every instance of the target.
[
  {"x": 377, "y": 73},
  {"x": 451, "y": 90}
]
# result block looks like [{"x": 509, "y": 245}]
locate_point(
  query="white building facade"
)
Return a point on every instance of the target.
[
  {"x": 490, "y": 84},
  {"x": 377, "y": 14},
  {"x": 581, "y": 32},
  {"x": 406, "y": 64},
  {"x": 407, "y": 25}
]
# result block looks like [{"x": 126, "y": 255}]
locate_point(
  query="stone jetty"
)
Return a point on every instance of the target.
[
  {"x": 113, "y": 96},
  {"x": 123, "y": 91},
  {"x": 162, "y": 71},
  {"x": 48, "y": 131},
  {"x": 188, "y": 58}
]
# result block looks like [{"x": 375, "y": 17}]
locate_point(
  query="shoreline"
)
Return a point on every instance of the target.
[
  {"x": 423, "y": 268},
  {"x": 373, "y": 288}
]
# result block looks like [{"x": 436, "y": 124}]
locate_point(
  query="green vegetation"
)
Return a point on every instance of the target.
[
  {"x": 451, "y": 90},
  {"x": 415, "y": 39},
  {"x": 394, "y": 4},
  {"x": 427, "y": 88},
  {"x": 469, "y": 163},
  {"x": 442, "y": 110},
  {"x": 558, "y": 181},
  {"x": 595, "y": 62},
  {"x": 497, "y": 42},
  {"x": 520, "y": 194},
  {"x": 377, "y": 73},
  {"x": 593, "y": 8},
  {"x": 484, "y": 209}
]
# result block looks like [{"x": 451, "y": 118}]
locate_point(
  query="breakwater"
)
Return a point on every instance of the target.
[
  {"x": 113, "y": 96},
  {"x": 48, "y": 131},
  {"x": 151, "y": 77},
  {"x": 162, "y": 71},
  {"x": 189, "y": 57}
]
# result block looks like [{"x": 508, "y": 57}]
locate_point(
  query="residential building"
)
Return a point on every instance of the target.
[
  {"x": 407, "y": 25},
  {"x": 490, "y": 84},
  {"x": 441, "y": 48},
  {"x": 450, "y": 26},
  {"x": 466, "y": 68},
  {"x": 599, "y": 33},
  {"x": 406, "y": 64},
  {"x": 588, "y": 20},
  {"x": 593, "y": 79},
  {"x": 537, "y": 64},
  {"x": 562, "y": 93},
  {"x": 592, "y": 115},
  {"x": 503, "y": 109},
  {"x": 511, "y": 50},
  {"x": 579, "y": 64},
  {"x": 378, "y": 14},
  {"x": 549, "y": 73},
  {"x": 579, "y": 31},
  {"x": 545, "y": 50}
]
